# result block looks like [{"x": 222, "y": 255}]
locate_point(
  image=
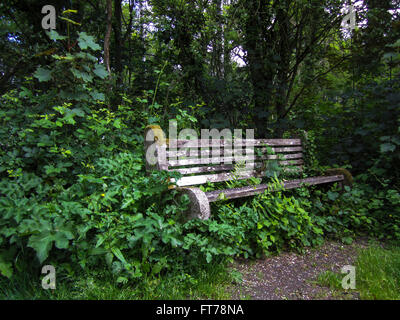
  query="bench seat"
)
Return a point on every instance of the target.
[
  {"x": 247, "y": 191},
  {"x": 217, "y": 160}
]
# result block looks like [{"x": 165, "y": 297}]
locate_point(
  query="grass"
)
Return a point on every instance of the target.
[
  {"x": 330, "y": 279},
  {"x": 377, "y": 277},
  {"x": 209, "y": 283},
  {"x": 377, "y": 274}
]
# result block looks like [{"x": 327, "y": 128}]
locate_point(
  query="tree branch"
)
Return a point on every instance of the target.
[{"x": 310, "y": 82}]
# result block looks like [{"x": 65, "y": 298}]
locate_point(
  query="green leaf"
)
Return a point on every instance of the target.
[
  {"x": 385, "y": 147},
  {"x": 62, "y": 240},
  {"x": 79, "y": 112},
  {"x": 42, "y": 74},
  {"x": 389, "y": 55},
  {"x": 347, "y": 240},
  {"x": 332, "y": 195},
  {"x": 97, "y": 251},
  {"x": 117, "y": 123},
  {"x": 126, "y": 203},
  {"x": 100, "y": 71},
  {"x": 175, "y": 242},
  {"x": 109, "y": 258},
  {"x": 157, "y": 268},
  {"x": 221, "y": 196},
  {"x": 122, "y": 280},
  {"x": 54, "y": 35},
  {"x": 81, "y": 75},
  {"x": 86, "y": 41},
  {"x": 6, "y": 269},
  {"x": 395, "y": 45},
  {"x": 118, "y": 254},
  {"x": 97, "y": 95},
  {"x": 42, "y": 244}
]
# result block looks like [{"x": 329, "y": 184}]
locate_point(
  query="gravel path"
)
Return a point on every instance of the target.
[{"x": 292, "y": 276}]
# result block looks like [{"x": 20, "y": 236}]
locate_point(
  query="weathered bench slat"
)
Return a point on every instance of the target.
[
  {"x": 291, "y": 162},
  {"x": 228, "y": 167},
  {"x": 249, "y": 142},
  {"x": 280, "y": 156},
  {"x": 174, "y": 153},
  {"x": 229, "y": 160},
  {"x": 223, "y": 167},
  {"x": 252, "y": 190},
  {"x": 218, "y": 177}
]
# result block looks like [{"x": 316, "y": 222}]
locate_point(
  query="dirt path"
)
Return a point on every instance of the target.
[{"x": 292, "y": 276}]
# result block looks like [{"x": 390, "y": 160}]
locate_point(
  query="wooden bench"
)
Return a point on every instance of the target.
[{"x": 199, "y": 164}]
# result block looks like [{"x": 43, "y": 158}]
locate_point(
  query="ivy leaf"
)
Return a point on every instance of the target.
[
  {"x": 86, "y": 41},
  {"x": 42, "y": 74}
]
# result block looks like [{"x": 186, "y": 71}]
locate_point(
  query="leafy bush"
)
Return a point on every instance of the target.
[{"x": 260, "y": 225}]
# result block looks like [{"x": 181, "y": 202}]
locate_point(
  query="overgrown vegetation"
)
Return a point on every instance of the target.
[{"x": 74, "y": 192}]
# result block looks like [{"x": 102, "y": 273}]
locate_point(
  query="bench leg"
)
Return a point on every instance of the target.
[{"x": 199, "y": 205}]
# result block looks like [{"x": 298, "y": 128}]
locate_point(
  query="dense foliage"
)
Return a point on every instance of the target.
[{"x": 73, "y": 188}]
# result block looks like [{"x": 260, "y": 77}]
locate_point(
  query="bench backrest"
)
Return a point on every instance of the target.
[{"x": 201, "y": 161}]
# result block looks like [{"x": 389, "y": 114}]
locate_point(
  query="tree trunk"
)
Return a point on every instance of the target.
[
  {"x": 118, "y": 45},
  {"x": 260, "y": 72},
  {"x": 107, "y": 37},
  {"x": 282, "y": 71}
]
